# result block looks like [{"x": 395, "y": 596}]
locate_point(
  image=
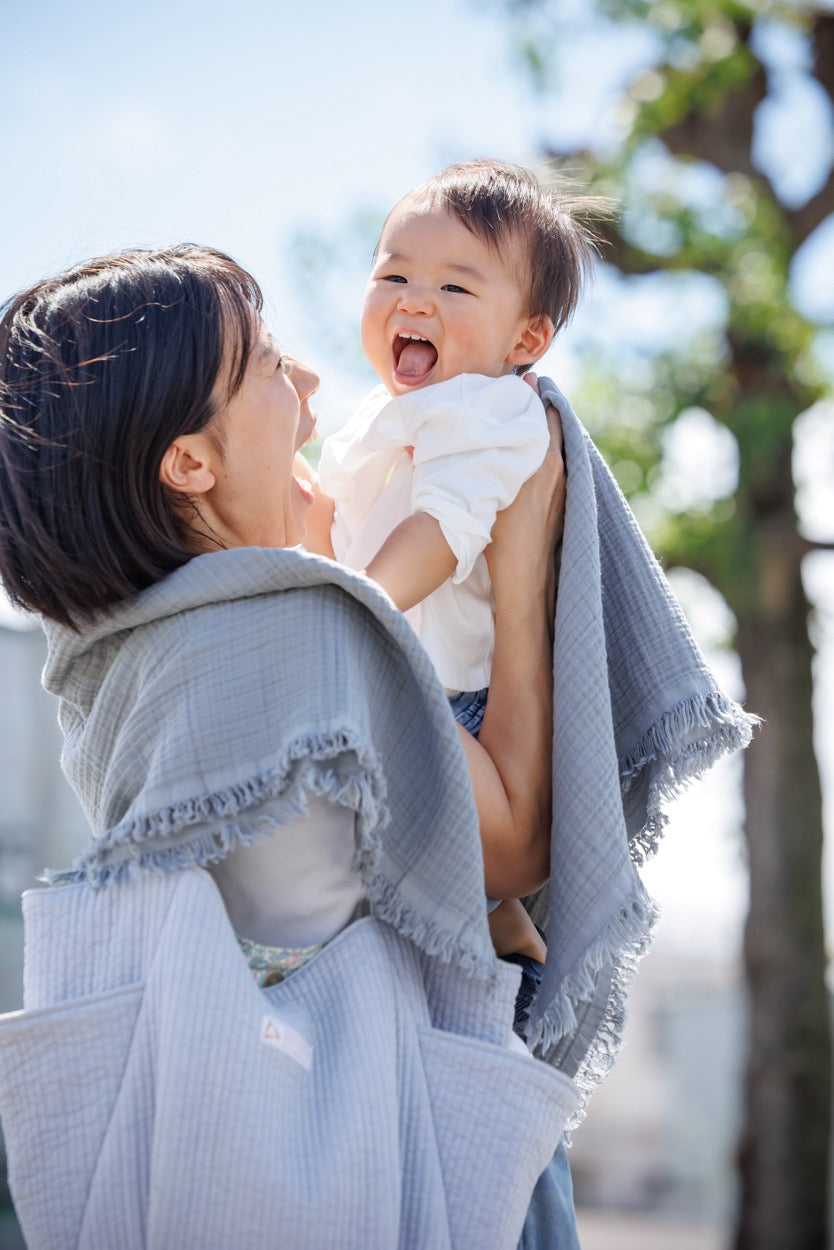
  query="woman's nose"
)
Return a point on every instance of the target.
[{"x": 304, "y": 379}]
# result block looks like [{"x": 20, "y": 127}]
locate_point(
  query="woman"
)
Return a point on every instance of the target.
[{"x": 264, "y": 754}]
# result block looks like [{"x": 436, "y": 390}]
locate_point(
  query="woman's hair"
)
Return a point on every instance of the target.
[
  {"x": 101, "y": 369},
  {"x": 500, "y": 203}
]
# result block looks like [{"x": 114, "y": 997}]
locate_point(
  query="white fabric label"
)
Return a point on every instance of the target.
[{"x": 277, "y": 1033}]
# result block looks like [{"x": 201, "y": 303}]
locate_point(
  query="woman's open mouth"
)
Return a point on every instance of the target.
[
  {"x": 414, "y": 359},
  {"x": 304, "y": 487}
]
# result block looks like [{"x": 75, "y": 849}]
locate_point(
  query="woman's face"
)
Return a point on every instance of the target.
[{"x": 256, "y": 500}]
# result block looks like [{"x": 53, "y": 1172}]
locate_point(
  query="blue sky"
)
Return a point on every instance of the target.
[
  {"x": 237, "y": 122},
  {"x": 231, "y": 123}
]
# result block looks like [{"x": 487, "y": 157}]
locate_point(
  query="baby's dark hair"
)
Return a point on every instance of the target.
[{"x": 499, "y": 202}]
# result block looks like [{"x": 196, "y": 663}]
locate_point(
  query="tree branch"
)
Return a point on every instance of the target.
[
  {"x": 822, "y": 42},
  {"x": 617, "y": 251},
  {"x": 813, "y": 544},
  {"x": 629, "y": 259},
  {"x": 805, "y": 219},
  {"x": 723, "y": 137}
]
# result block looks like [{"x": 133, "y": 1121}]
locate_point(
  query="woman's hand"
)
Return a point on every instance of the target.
[{"x": 510, "y": 764}]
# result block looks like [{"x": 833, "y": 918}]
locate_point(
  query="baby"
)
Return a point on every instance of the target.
[{"x": 474, "y": 273}]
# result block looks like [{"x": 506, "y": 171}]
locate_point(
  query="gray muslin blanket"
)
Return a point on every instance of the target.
[{"x": 637, "y": 715}]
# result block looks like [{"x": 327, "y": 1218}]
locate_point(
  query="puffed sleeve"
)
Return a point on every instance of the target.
[{"x": 476, "y": 441}]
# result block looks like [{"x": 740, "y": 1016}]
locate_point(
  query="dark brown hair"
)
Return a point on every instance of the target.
[
  {"x": 101, "y": 369},
  {"x": 499, "y": 202}
]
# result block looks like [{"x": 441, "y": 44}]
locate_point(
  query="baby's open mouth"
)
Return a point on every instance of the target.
[{"x": 414, "y": 358}]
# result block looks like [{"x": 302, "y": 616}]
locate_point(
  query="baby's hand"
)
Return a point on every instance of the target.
[{"x": 320, "y": 513}]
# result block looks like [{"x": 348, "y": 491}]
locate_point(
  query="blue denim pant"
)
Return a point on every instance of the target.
[
  {"x": 550, "y": 1223},
  {"x": 468, "y": 709}
]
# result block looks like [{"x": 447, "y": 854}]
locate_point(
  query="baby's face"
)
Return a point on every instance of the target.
[{"x": 440, "y": 302}]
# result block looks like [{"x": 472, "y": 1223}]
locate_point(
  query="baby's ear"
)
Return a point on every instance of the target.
[{"x": 535, "y": 339}]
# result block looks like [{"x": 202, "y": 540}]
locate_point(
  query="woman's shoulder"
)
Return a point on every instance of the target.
[
  {"x": 214, "y": 578},
  {"x": 221, "y": 601}
]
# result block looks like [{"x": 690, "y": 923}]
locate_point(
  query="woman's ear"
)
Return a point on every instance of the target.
[
  {"x": 187, "y": 466},
  {"x": 535, "y": 339}
]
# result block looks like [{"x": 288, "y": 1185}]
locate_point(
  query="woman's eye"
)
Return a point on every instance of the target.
[{"x": 279, "y": 364}]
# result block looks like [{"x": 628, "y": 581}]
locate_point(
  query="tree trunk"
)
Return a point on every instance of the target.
[{"x": 784, "y": 1147}]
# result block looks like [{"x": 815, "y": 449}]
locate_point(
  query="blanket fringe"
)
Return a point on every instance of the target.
[
  {"x": 161, "y": 842},
  {"x": 678, "y": 748},
  {"x": 620, "y": 947},
  {"x": 124, "y": 854},
  {"x": 387, "y": 904}
]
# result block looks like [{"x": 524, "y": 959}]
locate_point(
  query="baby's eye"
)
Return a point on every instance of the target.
[
  {"x": 393, "y": 277},
  {"x": 279, "y": 364},
  {"x": 456, "y": 290}
]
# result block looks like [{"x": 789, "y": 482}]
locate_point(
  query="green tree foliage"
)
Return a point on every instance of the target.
[{"x": 699, "y": 201}]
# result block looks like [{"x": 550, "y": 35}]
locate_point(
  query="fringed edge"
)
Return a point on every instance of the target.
[
  {"x": 622, "y": 945},
  {"x": 112, "y": 862},
  {"x": 676, "y": 758},
  {"x": 140, "y": 845},
  {"x": 387, "y": 904}
]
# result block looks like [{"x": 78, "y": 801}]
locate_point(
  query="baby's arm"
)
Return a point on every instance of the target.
[
  {"x": 414, "y": 560},
  {"x": 475, "y": 440}
]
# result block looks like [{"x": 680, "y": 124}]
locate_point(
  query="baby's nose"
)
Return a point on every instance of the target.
[{"x": 416, "y": 299}]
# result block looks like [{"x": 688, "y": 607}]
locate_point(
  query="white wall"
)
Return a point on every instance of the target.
[{"x": 41, "y": 823}]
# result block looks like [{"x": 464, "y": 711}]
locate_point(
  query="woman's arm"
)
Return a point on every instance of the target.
[{"x": 510, "y": 765}]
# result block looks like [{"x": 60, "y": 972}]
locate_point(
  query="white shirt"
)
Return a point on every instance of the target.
[
  {"x": 297, "y": 885},
  {"x": 476, "y": 441}
]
